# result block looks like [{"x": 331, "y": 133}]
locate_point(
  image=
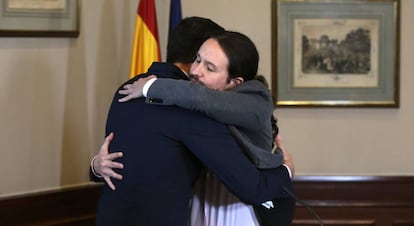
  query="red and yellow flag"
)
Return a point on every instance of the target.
[{"x": 146, "y": 47}]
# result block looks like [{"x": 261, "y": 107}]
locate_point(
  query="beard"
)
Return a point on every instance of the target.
[{"x": 194, "y": 78}]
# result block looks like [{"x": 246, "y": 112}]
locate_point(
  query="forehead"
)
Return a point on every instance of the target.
[{"x": 212, "y": 52}]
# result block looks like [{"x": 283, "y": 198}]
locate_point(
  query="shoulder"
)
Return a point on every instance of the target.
[
  {"x": 252, "y": 85},
  {"x": 255, "y": 90}
]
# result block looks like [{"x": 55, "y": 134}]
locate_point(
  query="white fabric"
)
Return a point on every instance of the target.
[
  {"x": 221, "y": 208},
  {"x": 289, "y": 171},
  {"x": 147, "y": 85},
  {"x": 93, "y": 169}
]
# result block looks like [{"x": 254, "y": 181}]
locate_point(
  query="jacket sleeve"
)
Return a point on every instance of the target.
[
  {"x": 223, "y": 157},
  {"x": 249, "y": 105},
  {"x": 93, "y": 177}
]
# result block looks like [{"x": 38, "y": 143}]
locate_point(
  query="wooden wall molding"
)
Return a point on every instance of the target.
[
  {"x": 338, "y": 200},
  {"x": 356, "y": 200},
  {"x": 68, "y": 206}
]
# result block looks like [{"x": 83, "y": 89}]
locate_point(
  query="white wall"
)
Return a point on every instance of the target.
[
  {"x": 54, "y": 97},
  {"x": 55, "y": 93}
]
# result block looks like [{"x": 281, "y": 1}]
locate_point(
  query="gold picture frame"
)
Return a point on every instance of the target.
[
  {"x": 335, "y": 53},
  {"x": 39, "y": 18}
]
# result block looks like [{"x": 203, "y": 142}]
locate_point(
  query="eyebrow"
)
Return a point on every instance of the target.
[{"x": 208, "y": 63}]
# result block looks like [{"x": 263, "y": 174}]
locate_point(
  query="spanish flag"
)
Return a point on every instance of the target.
[{"x": 146, "y": 47}]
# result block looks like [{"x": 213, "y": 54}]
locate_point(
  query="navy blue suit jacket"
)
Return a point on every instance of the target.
[{"x": 165, "y": 148}]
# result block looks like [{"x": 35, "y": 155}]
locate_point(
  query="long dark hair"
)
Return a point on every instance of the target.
[
  {"x": 241, "y": 52},
  {"x": 273, "y": 119}
]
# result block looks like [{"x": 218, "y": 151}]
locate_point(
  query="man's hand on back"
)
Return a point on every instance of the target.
[
  {"x": 134, "y": 90},
  {"x": 103, "y": 163}
]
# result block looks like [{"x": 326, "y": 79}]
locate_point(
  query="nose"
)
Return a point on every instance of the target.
[{"x": 196, "y": 70}]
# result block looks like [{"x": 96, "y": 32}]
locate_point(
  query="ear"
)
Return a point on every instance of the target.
[{"x": 235, "y": 82}]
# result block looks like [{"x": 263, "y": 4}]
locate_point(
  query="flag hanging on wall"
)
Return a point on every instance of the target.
[
  {"x": 175, "y": 14},
  {"x": 146, "y": 47}
]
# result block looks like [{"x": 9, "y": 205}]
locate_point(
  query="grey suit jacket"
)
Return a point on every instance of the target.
[{"x": 246, "y": 108}]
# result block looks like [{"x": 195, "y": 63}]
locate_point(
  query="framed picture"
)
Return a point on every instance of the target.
[
  {"x": 39, "y": 18},
  {"x": 335, "y": 53}
]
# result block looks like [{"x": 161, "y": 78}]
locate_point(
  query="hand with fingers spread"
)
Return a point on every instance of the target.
[
  {"x": 287, "y": 157},
  {"x": 104, "y": 163},
  {"x": 135, "y": 89}
]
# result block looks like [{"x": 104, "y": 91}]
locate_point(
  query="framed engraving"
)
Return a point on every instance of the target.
[
  {"x": 342, "y": 53},
  {"x": 39, "y": 18}
]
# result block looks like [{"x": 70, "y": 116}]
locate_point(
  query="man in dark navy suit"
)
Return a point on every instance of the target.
[{"x": 165, "y": 149}]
